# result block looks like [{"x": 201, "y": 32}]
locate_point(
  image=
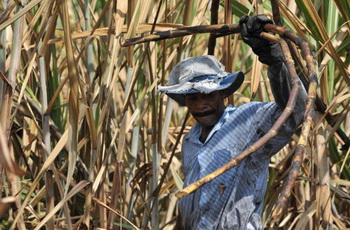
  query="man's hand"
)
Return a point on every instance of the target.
[{"x": 268, "y": 52}]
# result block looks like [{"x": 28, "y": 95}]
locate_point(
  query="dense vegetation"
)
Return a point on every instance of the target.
[{"x": 86, "y": 142}]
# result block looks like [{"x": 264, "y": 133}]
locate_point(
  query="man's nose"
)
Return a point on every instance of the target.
[{"x": 201, "y": 104}]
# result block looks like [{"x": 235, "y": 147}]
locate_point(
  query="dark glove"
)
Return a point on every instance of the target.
[{"x": 251, "y": 26}]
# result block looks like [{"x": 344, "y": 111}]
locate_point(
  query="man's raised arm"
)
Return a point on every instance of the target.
[{"x": 271, "y": 54}]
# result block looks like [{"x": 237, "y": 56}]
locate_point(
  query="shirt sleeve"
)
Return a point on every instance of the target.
[
  {"x": 265, "y": 118},
  {"x": 281, "y": 88},
  {"x": 268, "y": 114}
]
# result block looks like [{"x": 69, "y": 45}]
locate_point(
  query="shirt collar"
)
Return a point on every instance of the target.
[{"x": 196, "y": 130}]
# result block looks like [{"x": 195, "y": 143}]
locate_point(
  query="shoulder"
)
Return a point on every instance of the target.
[{"x": 251, "y": 108}]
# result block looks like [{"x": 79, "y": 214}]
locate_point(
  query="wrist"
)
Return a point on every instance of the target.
[{"x": 270, "y": 55}]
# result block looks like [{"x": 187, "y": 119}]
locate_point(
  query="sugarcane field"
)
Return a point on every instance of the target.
[{"x": 169, "y": 114}]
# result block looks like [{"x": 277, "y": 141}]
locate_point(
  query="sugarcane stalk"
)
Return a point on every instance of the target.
[
  {"x": 320, "y": 105},
  {"x": 73, "y": 105},
  {"x": 276, "y": 12},
  {"x": 46, "y": 137},
  {"x": 213, "y": 20},
  {"x": 309, "y": 113},
  {"x": 226, "y": 29},
  {"x": 299, "y": 154},
  {"x": 308, "y": 121},
  {"x": 298, "y": 157},
  {"x": 290, "y": 64},
  {"x": 180, "y": 32}
]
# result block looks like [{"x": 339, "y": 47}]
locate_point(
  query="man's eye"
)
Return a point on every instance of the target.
[
  {"x": 209, "y": 95},
  {"x": 191, "y": 98}
]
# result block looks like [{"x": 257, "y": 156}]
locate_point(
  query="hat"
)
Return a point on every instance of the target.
[{"x": 204, "y": 74}]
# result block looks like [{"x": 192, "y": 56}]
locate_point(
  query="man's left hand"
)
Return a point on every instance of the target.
[{"x": 268, "y": 52}]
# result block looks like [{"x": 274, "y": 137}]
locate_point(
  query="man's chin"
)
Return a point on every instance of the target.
[{"x": 206, "y": 121}]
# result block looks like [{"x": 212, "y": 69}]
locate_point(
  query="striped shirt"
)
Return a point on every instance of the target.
[{"x": 234, "y": 200}]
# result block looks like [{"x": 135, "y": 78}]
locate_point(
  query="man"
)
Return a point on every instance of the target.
[{"x": 233, "y": 200}]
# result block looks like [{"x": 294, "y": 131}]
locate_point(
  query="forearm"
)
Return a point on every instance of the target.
[
  {"x": 280, "y": 83},
  {"x": 271, "y": 54},
  {"x": 281, "y": 87}
]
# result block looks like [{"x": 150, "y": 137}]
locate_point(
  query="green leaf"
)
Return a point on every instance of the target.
[
  {"x": 238, "y": 9},
  {"x": 344, "y": 8},
  {"x": 344, "y": 45},
  {"x": 309, "y": 19}
]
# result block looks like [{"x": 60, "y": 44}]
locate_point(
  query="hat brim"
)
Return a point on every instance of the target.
[{"x": 229, "y": 84}]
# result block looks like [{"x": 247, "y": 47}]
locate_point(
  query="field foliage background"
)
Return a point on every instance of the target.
[{"x": 85, "y": 140}]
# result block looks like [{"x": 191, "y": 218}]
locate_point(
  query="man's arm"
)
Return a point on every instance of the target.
[{"x": 272, "y": 55}]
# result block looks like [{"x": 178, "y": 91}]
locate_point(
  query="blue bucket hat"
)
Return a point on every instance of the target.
[{"x": 204, "y": 74}]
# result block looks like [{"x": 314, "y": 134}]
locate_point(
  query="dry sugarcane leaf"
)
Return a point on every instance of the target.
[
  {"x": 71, "y": 193},
  {"x": 342, "y": 99},
  {"x": 30, "y": 209},
  {"x": 114, "y": 211},
  {"x": 59, "y": 146},
  {"x": 6, "y": 160},
  {"x": 340, "y": 182},
  {"x": 256, "y": 76},
  {"x": 106, "y": 146},
  {"x": 171, "y": 209},
  {"x": 145, "y": 9},
  {"x": 73, "y": 104},
  {"x": 323, "y": 33},
  {"x": 340, "y": 119},
  {"x": 341, "y": 33},
  {"x": 286, "y": 220},
  {"x": 24, "y": 84},
  {"x": 38, "y": 196},
  {"x": 2, "y": 77},
  {"x": 44, "y": 7},
  {"x": 177, "y": 178},
  {"x": 306, "y": 217},
  {"x": 5, "y": 15},
  {"x": 336, "y": 101},
  {"x": 5, "y": 204},
  {"x": 20, "y": 13},
  {"x": 137, "y": 111}
]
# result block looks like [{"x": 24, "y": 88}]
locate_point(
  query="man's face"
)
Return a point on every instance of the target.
[{"x": 206, "y": 108}]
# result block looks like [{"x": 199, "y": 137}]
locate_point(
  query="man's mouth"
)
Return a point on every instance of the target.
[{"x": 204, "y": 113}]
